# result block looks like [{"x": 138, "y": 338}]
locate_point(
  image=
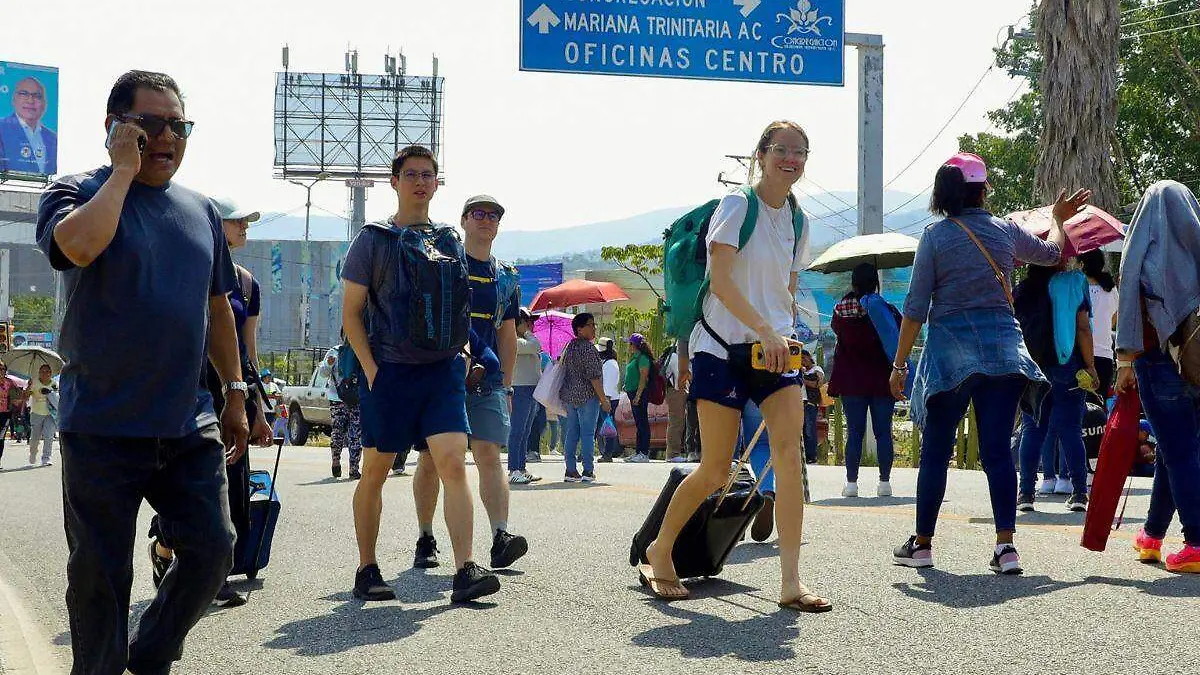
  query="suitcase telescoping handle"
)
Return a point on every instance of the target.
[
  {"x": 742, "y": 462},
  {"x": 262, "y": 537}
]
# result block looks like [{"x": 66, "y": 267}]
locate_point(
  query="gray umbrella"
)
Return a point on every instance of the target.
[{"x": 28, "y": 360}]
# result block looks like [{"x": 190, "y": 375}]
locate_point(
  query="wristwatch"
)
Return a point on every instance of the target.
[
  {"x": 509, "y": 391},
  {"x": 235, "y": 386},
  {"x": 1124, "y": 364}
]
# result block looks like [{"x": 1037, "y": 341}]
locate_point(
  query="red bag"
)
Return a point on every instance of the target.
[{"x": 1117, "y": 453}]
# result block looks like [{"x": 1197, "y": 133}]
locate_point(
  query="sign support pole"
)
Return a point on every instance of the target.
[{"x": 870, "y": 131}]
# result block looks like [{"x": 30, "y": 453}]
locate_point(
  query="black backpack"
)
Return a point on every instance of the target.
[
  {"x": 1036, "y": 315},
  {"x": 437, "y": 318}
]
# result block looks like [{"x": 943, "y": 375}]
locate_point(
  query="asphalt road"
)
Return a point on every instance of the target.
[{"x": 573, "y": 604}]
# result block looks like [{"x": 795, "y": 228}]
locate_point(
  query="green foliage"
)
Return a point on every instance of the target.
[
  {"x": 628, "y": 320},
  {"x": 1158, "y": 123},
  {"x": 644, "y": 260},
  {"x": 33, "y": 313}
]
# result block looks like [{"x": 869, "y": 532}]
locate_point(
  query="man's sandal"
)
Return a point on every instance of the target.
[
  {"x": 811, "y": 607},
  {"x": 663, "y": 589}
]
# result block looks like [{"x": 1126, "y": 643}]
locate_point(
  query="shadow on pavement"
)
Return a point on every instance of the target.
[
  {"x": 351, "y": 624},
  {"x": 967, "y": 591},
  {"x": 328, "y": 480},
  {"x": 1171, "y": 586},
  {"x": 417, "y": 586},
  {"x": 535, "y": 487},
  {"x": 765, "y": 637},
  {"x": 749, "y": 552},
  {"x": 866, "y": 501}
]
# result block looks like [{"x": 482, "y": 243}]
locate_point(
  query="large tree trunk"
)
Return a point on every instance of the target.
[{"x": 1079, "y": 40}]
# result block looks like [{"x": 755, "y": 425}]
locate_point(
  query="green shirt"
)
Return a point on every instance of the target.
[{"x": 633, "y": 373}]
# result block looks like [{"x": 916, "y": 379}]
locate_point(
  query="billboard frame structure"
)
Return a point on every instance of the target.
[{"x": 337, "y": 121}]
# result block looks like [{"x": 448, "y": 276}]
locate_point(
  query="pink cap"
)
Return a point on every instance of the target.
[{"x": 973, "y": 168}]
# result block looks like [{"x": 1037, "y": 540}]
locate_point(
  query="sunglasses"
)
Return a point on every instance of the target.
[
  {"x": 481, "y": 214},
  {"x": 153, "y": 125}
]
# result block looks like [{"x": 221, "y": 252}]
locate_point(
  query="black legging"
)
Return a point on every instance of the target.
[
  {"x": 3, "y": 430},
  {"x": 1104, "y": 368}
]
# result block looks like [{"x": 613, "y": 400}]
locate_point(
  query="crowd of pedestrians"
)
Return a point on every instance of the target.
[{"x": 440, "y": 373}]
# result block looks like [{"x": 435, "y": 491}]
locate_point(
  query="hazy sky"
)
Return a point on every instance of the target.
[{"x": 557, "y": 150}]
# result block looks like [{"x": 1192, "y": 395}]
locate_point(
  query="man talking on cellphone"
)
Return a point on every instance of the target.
[{"x": 145, "y": 264}]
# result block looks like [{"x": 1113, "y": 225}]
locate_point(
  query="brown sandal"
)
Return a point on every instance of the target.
[
  {"x": 662, "y": 588},
  {"x": 821, "y": 605}
]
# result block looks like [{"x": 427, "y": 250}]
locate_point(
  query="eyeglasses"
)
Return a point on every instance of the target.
[
  {"x": 153, "y": 125},
  {"x": 781, "y": 151},
  {"x": 413, "y": 176},
  {"x": 31, "y": 95},
  {"x": 480, "y": 214}
]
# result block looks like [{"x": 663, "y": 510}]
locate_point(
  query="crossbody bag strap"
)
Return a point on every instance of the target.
[{"x": 995, "y": 268}]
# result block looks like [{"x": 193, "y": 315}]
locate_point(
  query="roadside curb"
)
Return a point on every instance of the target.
[{"x": 26, "y": 649}]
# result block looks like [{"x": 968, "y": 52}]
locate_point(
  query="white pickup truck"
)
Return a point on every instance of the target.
[{"x": 308, "y": 405}]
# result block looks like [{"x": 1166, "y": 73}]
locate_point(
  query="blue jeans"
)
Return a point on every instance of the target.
[
  {"x": 580, "y": 433},
  {"x": 524, "y": 409},
  {"x": 641, "y": 419},
  {"x": 761, "y": 452},
  {"x": 1173, "y": 408},
  {"x": 810, "y": 433},
  {"x": 995, "y": 400},
  {"x": 1060, "y": 422},
  {"x": 557, "y": 435},
  {"x": 881, "y": 409}
]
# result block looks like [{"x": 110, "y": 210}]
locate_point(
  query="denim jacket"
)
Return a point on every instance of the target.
[{"x": 971, "y": 327}]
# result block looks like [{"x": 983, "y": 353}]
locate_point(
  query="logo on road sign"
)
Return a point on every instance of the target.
[{"x": 804, "y": 19}]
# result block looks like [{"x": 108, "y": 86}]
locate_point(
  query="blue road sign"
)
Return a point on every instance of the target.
[{"x": 775, "y": 41}]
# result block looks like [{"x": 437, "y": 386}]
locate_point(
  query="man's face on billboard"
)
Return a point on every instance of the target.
[{"x": 29, "y": 101}]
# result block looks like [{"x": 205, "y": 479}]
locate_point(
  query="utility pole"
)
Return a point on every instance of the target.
[{"x": 306, "y": 289}]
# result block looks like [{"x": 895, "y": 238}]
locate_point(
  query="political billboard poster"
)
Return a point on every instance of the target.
[{"x": 28, "y": 120}]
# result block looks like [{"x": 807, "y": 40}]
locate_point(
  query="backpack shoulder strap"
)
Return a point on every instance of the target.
[
  {"x": 751, "y": 216},
  {"x": 245, "y": 283}
]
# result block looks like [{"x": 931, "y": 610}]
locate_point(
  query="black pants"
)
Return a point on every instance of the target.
[
  {"x": 3, "y": 429},
  {"x": 105, "y": 480},
  {"x": 1104, "y": 368},
  {"x": 691, "y": 432},
  {"x": 641, "y": 421}
]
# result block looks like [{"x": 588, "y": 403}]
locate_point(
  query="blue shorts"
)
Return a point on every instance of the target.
[
  {"x": 411, "y": 402},
  {"x": 714, "y": 379},
  {"x": 488, "y": 416}
]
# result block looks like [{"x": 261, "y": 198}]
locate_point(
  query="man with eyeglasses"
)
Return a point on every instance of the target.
[
  {"x": 411, "y": 396},
  {"x": 495, "y": 306},
  {"x": 147, "y": 273},
  {"x": 27, "y": 145}
]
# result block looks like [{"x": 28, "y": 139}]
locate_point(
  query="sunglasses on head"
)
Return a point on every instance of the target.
[{"x": 153, "y": 125}]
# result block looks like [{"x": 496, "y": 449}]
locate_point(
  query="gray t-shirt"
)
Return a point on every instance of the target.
[
  {"x": 373, "y": 261},
  {"x": 135, "y": 326}
]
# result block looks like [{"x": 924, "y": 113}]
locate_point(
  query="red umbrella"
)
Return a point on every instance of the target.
[
  {"x": 1088, "y": 231},
  {"x": 577, "y": 292}
]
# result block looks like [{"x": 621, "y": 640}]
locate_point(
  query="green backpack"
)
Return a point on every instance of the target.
[{"x": 685, "y": 259}]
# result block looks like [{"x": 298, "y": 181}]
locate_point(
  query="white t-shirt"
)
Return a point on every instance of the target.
[
  {"x": 672, "y": 368},
  {"x": 761, "y": 270},
  {"x": 612, "y": 379},
  {"x": 1104, "y": 307}
]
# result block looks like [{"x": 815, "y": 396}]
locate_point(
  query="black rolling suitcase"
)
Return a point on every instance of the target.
[{"x": 716, "y": 527}]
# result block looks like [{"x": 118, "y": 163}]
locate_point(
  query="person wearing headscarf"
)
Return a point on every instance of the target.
[{"x": 1159, "y": 289}]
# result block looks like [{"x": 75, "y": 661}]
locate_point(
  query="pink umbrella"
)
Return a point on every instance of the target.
[
  {"x": 553, "y": 330},
  {"x": 1088, "y": 231}
]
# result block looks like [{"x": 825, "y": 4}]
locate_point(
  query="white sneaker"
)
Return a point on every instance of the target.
[
  {"x": 1047, "y": 487},
  {"x": 1063, "y": 487},
  {"x": 638, "y": 459},
  {"x": 48, "y": 462},
  {"x": 518, "y": 478},
  {"x": 851, "y": 490},
  {"x": 532, "y": 478},
  {"x": 885, "y": 489},
  {"x": 678, "y": 459},
  {"x": 693, "y": 457}
]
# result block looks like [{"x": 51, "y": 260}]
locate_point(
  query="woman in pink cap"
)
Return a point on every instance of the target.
[{"x": 974, "y": 351}]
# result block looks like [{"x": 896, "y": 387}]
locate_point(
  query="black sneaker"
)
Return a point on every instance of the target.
[
  {"x": 227, "y": 597},
  {"x": 1006, "y": 560},
  {"x": 572, "y": 477},
  {"x": 369, "y": 585},
  {"x": 354, "y": 474},
  {"x": 427, "y": 551},
  {"x": 1025, "y": 502},
  {"x": 912, "y": 554},
  {"x": 337, "y": 470},
  {"x": 473, "y": 582},
  {"x": 507, "y": 549},
  {"x": 764, "y": 522},
  {"x": 1077, "y": 503},
  {"x": 604, "y": 460},
  {"x": 158, "y": 565},
  {"x": 587, "y": 477}
]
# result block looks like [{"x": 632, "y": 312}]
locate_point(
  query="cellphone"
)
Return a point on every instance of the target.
[
  {"x": 112, "y": 129},
  {"x": 758, "y": 360}
]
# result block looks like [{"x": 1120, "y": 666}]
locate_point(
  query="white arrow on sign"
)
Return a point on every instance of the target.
[
  {"x": 545, "y": 18},
  {"x": 747, "y": 6}
]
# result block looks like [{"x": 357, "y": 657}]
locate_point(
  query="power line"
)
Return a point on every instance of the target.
[
  {"x": 1160, "y": 18},
  {"x": 1147, "y": 7},
  {"x": 1162, "y": 31}
]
